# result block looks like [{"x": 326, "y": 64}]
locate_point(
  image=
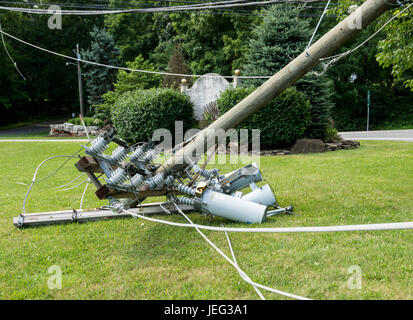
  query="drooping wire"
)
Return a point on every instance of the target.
[
  {"x": 233, "y": 262},
  {"x": 240, "y": 271},
  {"x": 48, "y": 176},
  {"x": 36, "y": 171},
  {"x": 203, "y": 6},
  {"x": 8, "y": 54},
  {"x": 236, "y": 263},
  {"x": 335, "y": 58},
  {"x": 317, "y": 229},
  {"x": 70, "y": 182},
  {"x": 124, "y": 68},
  {"x": 83, "y": 194},
  {"x": 316, "y": 28}
]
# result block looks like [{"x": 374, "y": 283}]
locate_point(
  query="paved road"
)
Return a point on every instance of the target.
[
  {"x": 43, "y": 140},
  {"x": 33, "y": 129},
  {"x": 392, "y": 135}
]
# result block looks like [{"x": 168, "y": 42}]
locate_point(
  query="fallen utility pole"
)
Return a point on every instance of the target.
[{"x": 295, "y": 70}]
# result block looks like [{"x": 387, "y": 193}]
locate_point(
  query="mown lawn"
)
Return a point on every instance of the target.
[{"x": 135, "y": 259}]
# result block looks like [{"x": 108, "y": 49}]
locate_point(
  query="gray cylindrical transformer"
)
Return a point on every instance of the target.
[
  {"x": 232, "y": 208},
  {"x": 262, "y": 195}
]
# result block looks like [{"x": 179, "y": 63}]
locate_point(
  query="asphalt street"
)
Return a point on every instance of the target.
[{"x": 391, "y": 135}]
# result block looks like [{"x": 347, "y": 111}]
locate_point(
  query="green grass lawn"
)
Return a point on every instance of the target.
[{"x": 136, "y": 259}]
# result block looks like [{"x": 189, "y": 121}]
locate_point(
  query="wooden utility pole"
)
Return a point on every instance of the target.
[
  {"x": 79, "y": 81},
  {"x": 295, "y": 70}
]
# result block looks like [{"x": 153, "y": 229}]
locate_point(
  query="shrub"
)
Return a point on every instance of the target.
[
  {"x": 137, "y": 114},
  {"x": 282, "y": 121},
  {"x": 128, "y": 81},
  {"x": 88, "y": 121},
  {"x": 211, "y": 113}
]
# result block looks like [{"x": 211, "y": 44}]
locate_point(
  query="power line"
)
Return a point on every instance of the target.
[
  {"x": 8, "y": 54},
  {"x": 124, "y": 68},
  {"x": 205, "y": 6},
  {"x": 334, "y": 59},
  {"x": 316, "y": 28}
]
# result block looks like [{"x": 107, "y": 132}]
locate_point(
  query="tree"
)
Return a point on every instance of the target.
[
  {"x": 201, "y": 35},
  {"x": 395, "y": 50},
  {"x": 50, "y": 88},
  {"x": 134, "y": 33},
  {"x": 282, "y": 36},
  {"x": 100, "y": 80},
  {"x": 128, "y": 81},
  {"x": 361, "y": 71},
  {"x": 176, "y": 65}
]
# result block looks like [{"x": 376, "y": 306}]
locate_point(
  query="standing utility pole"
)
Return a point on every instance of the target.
[
  {"x": 79, "y": 81},
  {"x": 295, "y": 70},
  {"x": 368, "y": 109}
]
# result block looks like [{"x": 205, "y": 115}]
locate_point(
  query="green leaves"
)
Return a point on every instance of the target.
[
  {"x": 129, "y": 81},
  {"x": 395, "y": 51},
  {"x": 100, "y": 80},
  {"x": 137, "y": 114},
  {"x": 281, "y": 122}
]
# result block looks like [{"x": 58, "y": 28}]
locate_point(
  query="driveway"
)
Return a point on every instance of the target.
[
  {"x": 392, "y": 135},
  {"x": 33, "y": 129}
]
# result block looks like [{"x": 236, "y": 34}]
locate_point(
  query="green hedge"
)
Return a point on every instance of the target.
[
  {"x": 281, "y": 122},
  {"x": 137, "y": 114}
]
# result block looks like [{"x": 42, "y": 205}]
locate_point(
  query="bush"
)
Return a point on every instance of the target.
[
  {"x": 281, "y": 122},
  {"x": 137, "y": 114},
  {"x": 128, "y": 81},
  {"x": 88, "y": 122},
  {"x": 211, "y": 113}
]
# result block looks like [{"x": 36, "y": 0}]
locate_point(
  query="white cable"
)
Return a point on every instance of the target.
[
  {"x": 67, "y": 189},
  {"x": 203, "y": 6},
  {"x": 342, "y": 55},
  {"x": 67, "y": 183},
  {"x": 84, "y": 127},
  {"x": 35, "y": 174},
  {"x": 118, "y": 11},
  {"x": 241, "y": 272},
  {"x": 343, "y": 228},
  {"x": 128, "y": 69},
  {"x": 243, "y": 275},
  {"x": 236, "y": 263},
  {"x": 83, "y": 194},
  {"x": 316, "y": 28},
  {"x": 8, "y": 54}
]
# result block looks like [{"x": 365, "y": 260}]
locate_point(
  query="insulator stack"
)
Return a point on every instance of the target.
[
  {"x": 207, "y": 173},
  {"x": 161, "y": 180},
  {"x": 170, "y": 180},
  {"x": 149, "y": 156},
  {"x": 118, "y": 177},
  {"x": 185, "y": 189},
  {"x": 137, "y": 155},
  {"x": 157, "y": 181},
  {"x": 99, "y": 145},
  {"x": 185, "y": 200},
  {"x": 119, "y": 154},
  {"x": 137, "y": 181}
]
